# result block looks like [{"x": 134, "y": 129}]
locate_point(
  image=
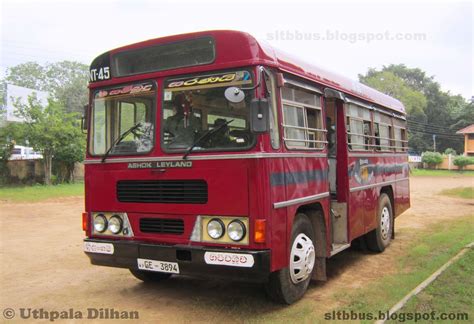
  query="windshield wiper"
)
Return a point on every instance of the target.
[
  {"x": 118, "y": 140},
  {"x": 208, "y": 134}
]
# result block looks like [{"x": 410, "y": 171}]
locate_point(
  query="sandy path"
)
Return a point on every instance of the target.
[{"x": 43, "y": 266}]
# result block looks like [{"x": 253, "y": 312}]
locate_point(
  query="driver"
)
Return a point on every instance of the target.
[
  {"x": 183, "y": 125},
  {"x": 222, "y": 137}
]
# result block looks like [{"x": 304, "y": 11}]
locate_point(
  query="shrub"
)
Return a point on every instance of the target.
[
  {"x": 450, "y": 151},
  {"x": 432, "y": 159},
  {"x": 462, "y": 161}
]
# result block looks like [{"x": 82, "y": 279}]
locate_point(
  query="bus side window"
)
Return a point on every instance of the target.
[
  {"x": 392, "y": 138},
  {"x": 359, "y": 128},
  {"x": 383, "y": 131},
  {"x": 367, "y": 135},
  {"x": 399, "y": 134},
  {"x": 404, "y": 140},
  {"x": 348, "y": 129},
  {"x": 302, "y": 118},
  {"x": 377, "y": 137}
]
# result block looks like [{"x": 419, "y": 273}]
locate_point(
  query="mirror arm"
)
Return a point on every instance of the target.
[{"x": 259, "y": 80}]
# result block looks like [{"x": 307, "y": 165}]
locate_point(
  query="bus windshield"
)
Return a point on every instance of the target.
[
  {"x": 195, "y": 105},
  {"x": 118, "y": 110}
]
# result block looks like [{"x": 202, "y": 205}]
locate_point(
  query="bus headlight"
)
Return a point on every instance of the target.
[
  {"x": 115, "y": 224},
  {"x": 215, "y": 228},
  {"x": 236, "y": 230},
  {"x": 100, "y": 223}
]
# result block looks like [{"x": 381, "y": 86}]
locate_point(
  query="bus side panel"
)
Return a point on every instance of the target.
[
  {"x": 402, "y": 188},
  {"x": 363, "y": 204},
  {"x": 371, "y": 205},
  {"x": 380, "y": 170},
  {"x": 384, "y": 169},
  {"x": 276, "y": 219},
  {"x": 402, "y": 199},
  {"x": 356, "y": 214},
  {"x": 305, "y": 177}
]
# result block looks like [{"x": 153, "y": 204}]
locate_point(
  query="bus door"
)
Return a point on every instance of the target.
[
  {"x": 337, "y": 160},
  {"x": 332, "y": 144}
]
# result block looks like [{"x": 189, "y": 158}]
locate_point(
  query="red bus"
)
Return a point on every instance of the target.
[{"x": 212, "y": 154}]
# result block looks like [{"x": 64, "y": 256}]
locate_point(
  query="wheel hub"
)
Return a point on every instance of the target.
[
  {"x": 302, "y": 258},
  {"x": 385, "y": 223}
]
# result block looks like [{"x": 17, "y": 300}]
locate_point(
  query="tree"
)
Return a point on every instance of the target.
[
  {"x": 440, "y": 112},
  {"x": 462, "y": 161},
  {"x": 51, "y": 131},
  {"x": 72, "y": 152},
  {"x": 66, "y": 81},
  {"x": 413, "y": 100},
  {"x": 29, "y": 75},
  {"x": 432, "y": 159},
  {"x": 9, "y": 134},
  {"x": 450, "y": 151},
  {"x": 392, "y": 85}
]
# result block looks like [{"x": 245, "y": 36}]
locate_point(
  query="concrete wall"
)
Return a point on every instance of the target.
[
  {"x": 448, "y": 164},
  {"x": 32, "y": 171}
]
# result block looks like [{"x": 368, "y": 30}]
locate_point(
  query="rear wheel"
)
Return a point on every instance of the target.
[
  {"x": 149, "y": 276},
  {"x": 288, "y": 285},
  {"x": 380, "y": 238}
]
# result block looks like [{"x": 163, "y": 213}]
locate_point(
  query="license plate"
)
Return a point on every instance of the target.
[
  {"x": 159, "y": 266},
  {"x": 102, "y": 248},
  {"x": 229, "y": 259}
]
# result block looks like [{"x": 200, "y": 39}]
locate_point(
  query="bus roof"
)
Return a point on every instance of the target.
[{"x": 235, "y": 48}]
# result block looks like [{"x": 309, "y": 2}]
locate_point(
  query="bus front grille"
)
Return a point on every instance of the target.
[
  {"x": 162, "y": 225},
  {"x": 162, "y": 191}
]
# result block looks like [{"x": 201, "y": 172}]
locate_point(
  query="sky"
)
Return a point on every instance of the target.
[{"x": 342, "y": 36}]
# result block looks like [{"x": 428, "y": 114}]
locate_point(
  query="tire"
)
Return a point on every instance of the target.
[
  {"x": 149, "y": 276},
  {"x": 281, "y": 286},
  {"x": 380, "y": 238}
]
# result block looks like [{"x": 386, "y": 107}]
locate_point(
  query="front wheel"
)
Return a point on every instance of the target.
[
  {"x": 149, "y": 276},
  {"x": 289, "y": 284},
  {"x": 380, "y": 238}
]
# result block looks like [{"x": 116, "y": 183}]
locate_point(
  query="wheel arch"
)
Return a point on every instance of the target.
[
  {"x": 388, "y": 190},
  {"x": 315, "y": 213}
]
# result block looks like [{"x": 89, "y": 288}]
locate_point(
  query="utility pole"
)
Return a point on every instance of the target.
[{"x": 434, "y": 142}]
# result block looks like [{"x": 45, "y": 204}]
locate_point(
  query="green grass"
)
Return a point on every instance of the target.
[
  {"x": 423, "y": 256},
  {"x": 461, "y": 192},
  {"x": 440, "y": 173},
  {"x": 430, "y": 251},
  {"x": 450, "y": 293},
  {"x": 39, "y": 192}
]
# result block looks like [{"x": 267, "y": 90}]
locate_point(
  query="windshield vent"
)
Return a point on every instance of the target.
[
  {"x": 189, "y": 52},
  {"x": 163, "y": 191},
  {"x": 162, "y": 225}
]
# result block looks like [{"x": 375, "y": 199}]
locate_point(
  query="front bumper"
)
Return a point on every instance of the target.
[{"x": 190, "y": 259}]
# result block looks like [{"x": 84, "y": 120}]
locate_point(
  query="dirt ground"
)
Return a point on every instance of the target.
[{"x": 43, "y": 266}]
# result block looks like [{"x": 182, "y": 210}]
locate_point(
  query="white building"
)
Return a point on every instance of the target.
[
  {"x": 14, "y": 93},
  {"x": 24, "y": 153}
]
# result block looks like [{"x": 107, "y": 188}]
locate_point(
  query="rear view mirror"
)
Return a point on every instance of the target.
[
  {"x": 234, "y": 94},
  {"x": 85, "y": 119},
  {"x": 259, "y": 116}
]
